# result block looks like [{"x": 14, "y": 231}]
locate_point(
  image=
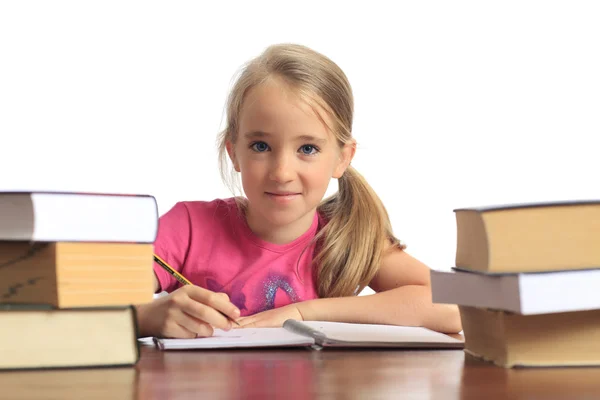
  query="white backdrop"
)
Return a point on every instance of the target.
[{"x": 458, "y": 103}]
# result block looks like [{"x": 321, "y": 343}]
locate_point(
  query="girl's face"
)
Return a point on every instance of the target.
[{"x": 286, "y": 156}]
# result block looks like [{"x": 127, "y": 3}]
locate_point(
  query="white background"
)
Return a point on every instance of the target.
[{"x": 458, "y": 103}]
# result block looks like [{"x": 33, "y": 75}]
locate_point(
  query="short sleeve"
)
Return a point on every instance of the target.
[{"x": 172, "y": 244}]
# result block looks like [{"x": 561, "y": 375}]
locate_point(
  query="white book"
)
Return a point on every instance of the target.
[
  {"x": 318, "y": 334},
  {"x": 526, "y": 293},
  {"x": 77, "y": 217}
]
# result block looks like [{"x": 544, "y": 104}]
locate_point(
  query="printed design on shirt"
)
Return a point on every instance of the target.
[
  {"x": 273, "y": 290},
  {"x": 236, "y": 296},
  {"x": 274, "y": 286}
]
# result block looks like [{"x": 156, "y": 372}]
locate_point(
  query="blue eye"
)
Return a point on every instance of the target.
[
  {"x": 259, "y": 147},
  {"x": 309, "y": 149}
]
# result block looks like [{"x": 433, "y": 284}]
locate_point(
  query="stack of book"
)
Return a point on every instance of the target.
[
  {"x": 527, "y": 283},
  {"x": 72, "y": 266}
]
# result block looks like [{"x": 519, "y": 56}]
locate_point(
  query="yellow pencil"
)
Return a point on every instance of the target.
[{"x": 183, "y": 280}]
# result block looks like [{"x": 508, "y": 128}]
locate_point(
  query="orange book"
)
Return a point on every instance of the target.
[{"x": 79, "y": 274}]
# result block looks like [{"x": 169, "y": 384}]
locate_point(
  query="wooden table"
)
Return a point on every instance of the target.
[{"x": 304, "y": 374}]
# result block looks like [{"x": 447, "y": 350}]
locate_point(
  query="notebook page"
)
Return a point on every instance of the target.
[
  {"x": 240, "y": 338},
  {"x": 366, "y": 333}
]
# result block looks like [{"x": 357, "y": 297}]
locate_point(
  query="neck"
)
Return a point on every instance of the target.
[{"x": 278, "y": 234}]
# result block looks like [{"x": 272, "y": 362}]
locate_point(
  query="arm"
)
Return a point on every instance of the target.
[
  {"x": 403, "y": 298},
  {"x": 189, "y": 311}
]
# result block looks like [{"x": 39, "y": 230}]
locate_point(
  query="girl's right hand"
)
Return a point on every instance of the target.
[{"x": 188, "y": 312}]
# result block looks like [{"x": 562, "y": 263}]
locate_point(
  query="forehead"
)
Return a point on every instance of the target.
[{"x": 277, "y": 108}]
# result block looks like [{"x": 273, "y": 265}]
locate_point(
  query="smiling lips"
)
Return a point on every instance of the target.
[{"x": 282, "y": 197}]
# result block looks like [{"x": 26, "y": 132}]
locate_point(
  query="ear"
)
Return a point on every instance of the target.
[
  {"x": 231, "y": 152},
  {"x": 346, "y": 156}
]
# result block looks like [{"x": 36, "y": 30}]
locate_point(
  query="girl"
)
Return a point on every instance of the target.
[{"x": 282, "y": 252}]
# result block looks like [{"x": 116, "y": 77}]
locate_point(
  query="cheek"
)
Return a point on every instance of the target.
[
  {"x": 319, "y": 175},
  {"x": 251, "y": 172}
]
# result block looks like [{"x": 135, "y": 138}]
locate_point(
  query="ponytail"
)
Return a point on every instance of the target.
[{"x": 352, "y": 243}]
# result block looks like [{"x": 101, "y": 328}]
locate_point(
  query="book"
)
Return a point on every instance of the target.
[
  {"x": 548, "y": 340},
  {"x": 317, "y": 334},
  {"x": 79, "y": 274},
  {"x": 527, "y": 293},
  {"x": 37, "y": 336},
  {"x": 84, "y": 383},
  {"x": 529, "y": 237},
  {"x": 74, "y": 217}
]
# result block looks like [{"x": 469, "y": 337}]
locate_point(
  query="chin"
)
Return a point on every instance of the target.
[{"x": 282, "y": 218}]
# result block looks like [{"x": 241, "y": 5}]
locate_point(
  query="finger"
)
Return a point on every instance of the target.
[
  {"x": 179, "y": 332},
  {"x": 249, "y": 322},
  {"x": 205, "y": 314},
  {"x": 186, "y": 333},
  {"x": 181, "y": 301},
  {"x": 224, "y": 296},
  {"x": 241, "y": 322},
  {"x": 176, "y": 331},
  {"x": 218, "y": 301},
  {"x": 195, "y": 327}
]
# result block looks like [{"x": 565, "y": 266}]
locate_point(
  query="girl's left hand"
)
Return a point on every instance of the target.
[{"x": 271, "y": 318}]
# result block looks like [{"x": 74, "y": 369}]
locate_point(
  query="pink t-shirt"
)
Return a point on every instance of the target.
[{"x": 210, "y": 243}]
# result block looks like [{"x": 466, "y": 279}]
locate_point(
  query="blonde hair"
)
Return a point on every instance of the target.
[{"x": 352, "y": 243}]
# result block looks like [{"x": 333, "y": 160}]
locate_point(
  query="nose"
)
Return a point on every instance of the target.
[{"x": 282, "y": 169}]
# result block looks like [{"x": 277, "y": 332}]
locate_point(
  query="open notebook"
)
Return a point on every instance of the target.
[{"x": 317, "y": 335}]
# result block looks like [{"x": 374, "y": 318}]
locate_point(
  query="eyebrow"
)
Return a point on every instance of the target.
[{"x": 260, "y": 135}]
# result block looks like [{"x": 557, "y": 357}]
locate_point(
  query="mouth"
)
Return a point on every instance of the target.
[
  {"x": 282, "y": 194},
  {"x": 282, "y": 197}
]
